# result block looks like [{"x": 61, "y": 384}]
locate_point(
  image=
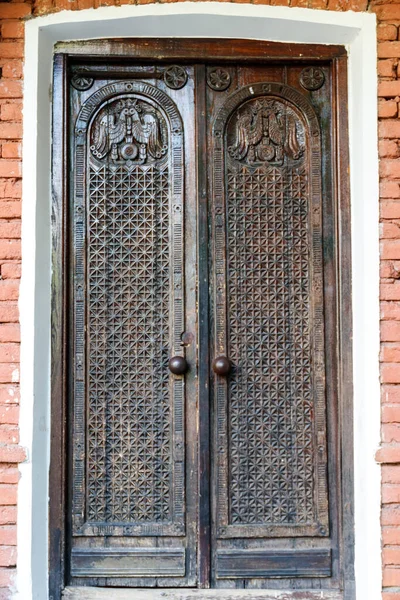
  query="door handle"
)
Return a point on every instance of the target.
[
  {"x": 221, "y": 365},
  {"x": 178, "y": 365}
]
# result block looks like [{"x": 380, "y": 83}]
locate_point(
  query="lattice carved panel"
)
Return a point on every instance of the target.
[
  {"x": 271, "y": 430},
  {"x": 129, "y": 421}
]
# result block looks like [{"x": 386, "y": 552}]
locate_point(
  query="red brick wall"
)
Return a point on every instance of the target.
[{"x": 12, "y": 15}]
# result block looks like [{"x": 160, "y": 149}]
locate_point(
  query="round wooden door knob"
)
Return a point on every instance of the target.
[
  {"x": 221, "y": 365},
  {"x": 178, "y": 365}
]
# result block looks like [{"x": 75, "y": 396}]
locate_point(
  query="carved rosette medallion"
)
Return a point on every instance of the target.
[
  {"x": 265, "y": 130},
  {"x": 129, "y": 129},
  {"x": 218, "y": 79},
  {"x": 175, "y": 77},
  {"x": 81, "y": 83},
  {"x": 312, "y": 78}
]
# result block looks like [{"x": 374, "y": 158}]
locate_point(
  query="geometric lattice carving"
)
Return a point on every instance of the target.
[
  {"x": 129, "y": 431},
  {"x": 128, "y": 278},
  {"x": 270, "y": 388},
  {"x": 271, "y": 414}
]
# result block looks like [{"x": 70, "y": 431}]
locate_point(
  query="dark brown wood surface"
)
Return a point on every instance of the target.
[{"x": 276, "y": 114}]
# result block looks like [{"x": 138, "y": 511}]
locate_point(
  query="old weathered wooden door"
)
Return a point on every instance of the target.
[{"x": 203, "y": 389}]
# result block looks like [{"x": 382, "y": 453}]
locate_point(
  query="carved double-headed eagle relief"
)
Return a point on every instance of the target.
[
  {"x": 265, "y": 131},
  {"x": 129, "y": 130}
]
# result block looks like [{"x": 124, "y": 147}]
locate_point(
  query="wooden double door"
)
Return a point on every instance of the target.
[{"x": 201, "y": 318}]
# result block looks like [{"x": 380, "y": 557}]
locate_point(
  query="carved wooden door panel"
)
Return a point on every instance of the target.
[
  {"x": 133, "y": 516},
  {"x": 270, "y": 477},
  {"x": 204, "y": 380}
]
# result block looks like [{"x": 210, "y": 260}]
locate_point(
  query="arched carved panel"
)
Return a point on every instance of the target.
[
  {"x": 268, "y": 302},
  {"x": 128, "y": 426}
]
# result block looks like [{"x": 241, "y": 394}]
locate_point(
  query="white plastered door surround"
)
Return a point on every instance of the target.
[{"x": 357, "y": 31}]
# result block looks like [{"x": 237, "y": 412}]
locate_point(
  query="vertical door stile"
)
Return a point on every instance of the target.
[{"x": 204, "y": 548}]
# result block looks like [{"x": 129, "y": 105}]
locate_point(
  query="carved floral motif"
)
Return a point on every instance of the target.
[
  {"x": 218, "y": 79},
  {"x": 265, "y": 131},
  {"x": 81, "y": 83},
  {"x": 175, "y": 77},
  {"x": 129, "y": 130},
  {"x": 312, "y": 78}
]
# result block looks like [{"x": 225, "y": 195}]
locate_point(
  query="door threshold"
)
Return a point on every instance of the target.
[{"x": 91, "y": 593}]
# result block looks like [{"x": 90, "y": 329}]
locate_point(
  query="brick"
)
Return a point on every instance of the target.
[
  {"x": 386, "y": 32},
  {"x": 387, "y": 67},
  {"x": 388, "y": 89},
  {"x": 389, "y": 168},
  {"x": 6, "y": 577},
  {"x": 390, "y": 291},
  {"x": 390, "y": 311},
  {"x": 9, "y": 312},
  {"x": 15, "y": 29},
  {"x": 390, "y": 433},
  {"x": 10, "y": 168},
  {"x": 10, "y": 131},
  {"x": 391, "y": 495},
  {"x": 9, "y": 394},
  {"x": 390, "y": 394},
  {"x": 391, "y": 536},
  {"x": 387, "y": 148},
  {"x": 8, "y": 556},
  {"x": 389, "y": 249},
  {"x": 9, "y": 290},
  {"x": 13, "y": 69},
  {"x": 390, "y": 331},
  {"x": 390, "y": 515},
  {"x": 390, "y": 373},
  {"x": 14, "y": 150},
  {"x": 9, "y": 435},
  {"x": 9, "y": 210},
  {"x": 387, "y": 49},
  {"x": 387, "y": 231},
  {"x": 11, "y": 454},
  {"x": 390, "y": 595},
  {"x": 389, "y": 269},
  {"x": 387, "y": 110},
  {"x": 9, "y": 372},
  {"x": 390, "y": 414},
  {"x": 11, "y": 49},
  {"x": 391, "y": 577},
  {"x": 10, "y": 188},
  {"x": 9, "y": 414},
  {"x": 8, "y": 535},
  {"x": 9, "y": 474},
  {"x": 8, "y": 495},
  {"x": 10, "y": 249},
  {"x": 8, "y": 515},
  {"x": 11, "y": 111},
  {"x": 14, "y": 10},
  {"x": 387, "y": 12},
  {"x": 388, "y": 189},
  {"x": 13, "y": 271},
  {"x": 388, "y": 454},
  {"x": 390, "y": 352},
  {"x": 12, "y": 230},
  {"x": 389, "y": 129},
  {"x": 9, "y": 353}
]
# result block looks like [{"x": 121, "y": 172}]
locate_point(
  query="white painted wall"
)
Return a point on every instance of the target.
[{"x": 199, "y": 19}]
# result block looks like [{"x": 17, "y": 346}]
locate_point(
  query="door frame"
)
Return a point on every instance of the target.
[
  {"x": 236, "y": 52},
  {"x": 347, "y": 375}
]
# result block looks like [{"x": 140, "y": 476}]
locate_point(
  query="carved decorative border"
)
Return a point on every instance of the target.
[
  {"x": 300, "y": 103},
  {"x": 98, "y": 100}
]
